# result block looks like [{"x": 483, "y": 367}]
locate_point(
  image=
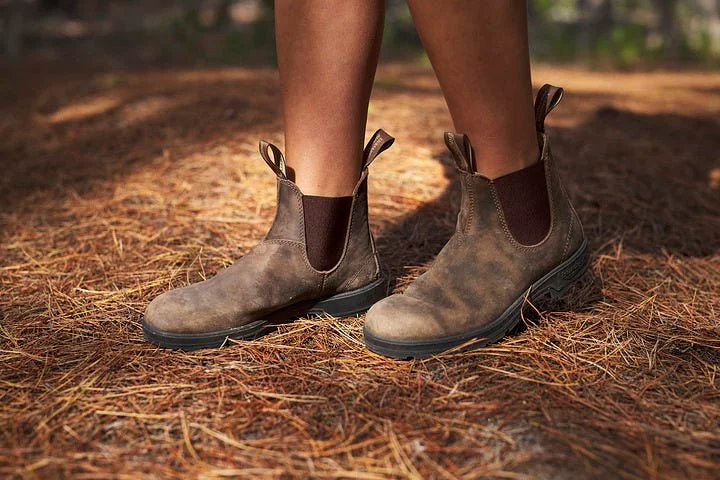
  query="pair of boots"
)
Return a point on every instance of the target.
[{"x": 475, "y": 291}]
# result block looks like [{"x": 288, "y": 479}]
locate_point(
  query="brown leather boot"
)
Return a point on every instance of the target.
[
  {"x": 482, "y": 278},
  {"x": 275, "y": 282}
]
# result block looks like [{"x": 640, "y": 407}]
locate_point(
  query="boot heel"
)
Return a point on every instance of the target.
[
  {"x": 554, "y": 286},
  {"x": 352, "y": 302}
]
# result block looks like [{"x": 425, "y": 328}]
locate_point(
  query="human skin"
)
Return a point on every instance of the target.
[
  {"x": 327, "y": 57},
  {"x": 479, "y": 51}
]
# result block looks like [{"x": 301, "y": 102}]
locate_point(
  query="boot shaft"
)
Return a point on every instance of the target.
[
  {"x": 482, "y": 210},
  {"x": 358, "y": 252}
]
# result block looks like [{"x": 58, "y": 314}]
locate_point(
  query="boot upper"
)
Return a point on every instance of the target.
[
  {"x": 276, "y": 273},
  {"x": 482, "y": 269}
]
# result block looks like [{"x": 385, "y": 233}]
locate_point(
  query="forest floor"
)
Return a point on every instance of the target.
[{"x": 118, "y": 186}]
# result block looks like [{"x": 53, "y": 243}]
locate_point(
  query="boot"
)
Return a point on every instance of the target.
[
  {"x": 276, "y": 282},
  {"x": 476, "y": 289}
]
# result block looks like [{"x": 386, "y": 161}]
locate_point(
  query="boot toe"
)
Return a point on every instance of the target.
[
  {"x": 403, "y": 318},
  {"x": 167, "y": 312}
]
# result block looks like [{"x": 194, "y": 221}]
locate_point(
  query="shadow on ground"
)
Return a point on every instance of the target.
[
  {"x": 67, "y": 138},
  {"x": 642, "y": 180}
]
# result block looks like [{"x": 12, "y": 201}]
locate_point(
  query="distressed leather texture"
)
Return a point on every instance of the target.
[
  {"x": 276, "y": 273},
  {"x": 482, "y": 269}
]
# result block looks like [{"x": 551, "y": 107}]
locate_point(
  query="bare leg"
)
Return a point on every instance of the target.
[
  {"x": 479, "y": 283},
  {"x": 327, "y": 55},
  {"x": 479, "y": 50}
]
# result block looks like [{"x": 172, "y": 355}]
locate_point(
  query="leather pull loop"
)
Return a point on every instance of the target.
[
  {"x": 547, "y": 99},
  {"x": 379, "y": 142},
  {"x": 462, "y": 151},
  {"x": 277, "y": 163}
]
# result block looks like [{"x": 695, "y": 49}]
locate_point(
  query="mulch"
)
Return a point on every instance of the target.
[{"x": 118, "y": 186}]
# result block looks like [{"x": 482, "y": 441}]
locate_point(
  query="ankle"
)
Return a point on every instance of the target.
[
  {"x": 319, "y": 173},
  {"x": 493, "y": 162},
  {"x": 326, "y": 186}
]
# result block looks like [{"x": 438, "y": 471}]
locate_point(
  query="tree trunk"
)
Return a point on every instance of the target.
[
  {"x": 582, "y": 40},
  {"x": 13, "y": 23},
  {"x": 668, "y": 27}
]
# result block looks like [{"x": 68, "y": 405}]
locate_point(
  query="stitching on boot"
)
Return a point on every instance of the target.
[
  {"x": 498, "y": 209},
  {"x": 376, "y": 257},
  {"x": 352, "y": 225},
  {"x": 465, "y": 183},
  {"x": 298, "y": 200},
  {"x": 348, "y": 236},
  {"x": 471, "y": 214},
  {"x": 294, "y": 243},
  {"x": 567, "y": 239},
  {"x": 555, "y": 176},
  {"x": 546, "y": 157},
  {"x": 372, "y": 148},
  {"x": 454, "y": 144},
  {"x": 357, "y": 272},
  {"x": 574, "y": 217},
  {"x": 283, "y": 241}
]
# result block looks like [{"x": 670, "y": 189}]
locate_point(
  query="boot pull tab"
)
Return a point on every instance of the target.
[
  {"x": 379, "y": 142},
  {"x": 547, "y": 99},
  {"x": 277, "y": 163},
  {"x": 462, "y": 151}
]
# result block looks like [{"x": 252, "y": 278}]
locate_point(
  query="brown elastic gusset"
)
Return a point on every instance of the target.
[
  {"x": 326, "y": 223},
  {"x": 525, "y": 204}
]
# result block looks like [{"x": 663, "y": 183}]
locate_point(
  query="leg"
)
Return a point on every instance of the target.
[
  {"x": 311, "y": 261},
  {"x": 518, "y": 238},
  {"x": 327, "y": 54},
  {"x": 479, "y": 51}
]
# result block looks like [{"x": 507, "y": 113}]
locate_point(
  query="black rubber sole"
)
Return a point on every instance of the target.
[
  {"x": 340, "y": 305},
  {"x": 550, "y": 287}
]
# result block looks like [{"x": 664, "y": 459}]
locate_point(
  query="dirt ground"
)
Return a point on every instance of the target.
[{"x": 118, "y": 186}]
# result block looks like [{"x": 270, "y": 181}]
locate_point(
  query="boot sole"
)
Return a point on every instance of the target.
[
  {"x": 552, "y": 286},
  {"x": 341, "y": 305}
]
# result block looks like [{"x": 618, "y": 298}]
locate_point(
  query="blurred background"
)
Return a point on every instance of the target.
[{"x": 119, "y": 33}]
